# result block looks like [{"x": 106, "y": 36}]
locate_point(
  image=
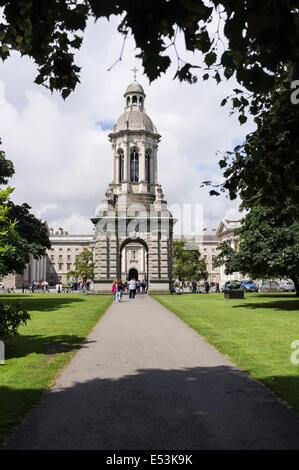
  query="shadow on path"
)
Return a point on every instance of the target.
[{"x": 192, "y": 408}]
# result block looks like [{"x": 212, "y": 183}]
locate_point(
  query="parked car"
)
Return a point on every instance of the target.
[
  {"x": 269, "y": 286},
  {"x": 249, "y": 286},
  {"x": 286, "y": 286}
]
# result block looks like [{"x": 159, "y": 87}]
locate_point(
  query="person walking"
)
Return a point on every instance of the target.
[
  {"x": 121, "y": 290},
  {"x": 207, "y": 287},
  {"x": 132, "y": 287},
  {"x": 114, "y": 290}
]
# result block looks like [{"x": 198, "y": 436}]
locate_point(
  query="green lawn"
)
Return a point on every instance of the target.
[
  {"x": 255, "y": 333},
  {"x": 59, "y": 323}
]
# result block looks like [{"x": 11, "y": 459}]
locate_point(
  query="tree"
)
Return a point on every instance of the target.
[
  {"x": 187, "y": 263},
  {"x": 84, "y": 267},
  {"x": 8, "y": 233},
  {"x": 11, "y": 315},
  {"x": 265, "y": 167},
  {"x": 268, "y": 247},
  {"x": 258, "y": 36},
  {"x": 21, "y": 234}
]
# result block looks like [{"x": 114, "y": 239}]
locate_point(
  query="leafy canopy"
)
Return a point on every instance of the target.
[
  {"x": 84, "y": 266},
  {"x": 264, "y": 168},
  {"x": 258, "y": 36},
  {"x": 187, "y": 263},
  {"x": 268, "y": 247},
  {"x": 21, "y": 233}
]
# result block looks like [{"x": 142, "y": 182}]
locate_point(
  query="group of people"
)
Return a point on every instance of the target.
[
  {"x": 38, "y": 286},
  {"x": 193, "y": 286},
  {"x": 133, "y": 286},
  {"x": 80, "y": 286},
  {"x": 74, "y": 286}
]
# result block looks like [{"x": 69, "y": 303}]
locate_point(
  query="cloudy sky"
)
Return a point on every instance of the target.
[{"x": 61, "y": 151}]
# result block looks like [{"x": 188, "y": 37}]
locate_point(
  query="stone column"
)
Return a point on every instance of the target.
[
  {"x": 126, "y": 161},
  {"x": 116, "y": 168},
  {"x": 155, "y": 172},
  {"x": 113, "y": 166},
  {"x": 142, "y": 162}
]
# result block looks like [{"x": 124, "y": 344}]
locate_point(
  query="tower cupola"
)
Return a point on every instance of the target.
[{"x": 134, "y": 96}]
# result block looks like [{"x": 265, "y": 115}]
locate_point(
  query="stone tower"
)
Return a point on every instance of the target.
[{"x": 134, "y": 211}]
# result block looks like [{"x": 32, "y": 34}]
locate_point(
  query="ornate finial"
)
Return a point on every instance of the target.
[{"x": 134, "y": 70}]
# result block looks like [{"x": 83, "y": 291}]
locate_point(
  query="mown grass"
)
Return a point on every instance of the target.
[
  {"x": 255, "y": 333},
  {"x": 59, "y": 324}
]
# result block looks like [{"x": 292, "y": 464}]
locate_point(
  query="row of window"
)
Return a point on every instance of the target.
[
  {"x": 60, "y": 267},
  {"x": 61, "y": 249},
  {"x": 134, "y": 166},
  {"x": 134, "y": 100},
  {"x": 68, "y": 258}
]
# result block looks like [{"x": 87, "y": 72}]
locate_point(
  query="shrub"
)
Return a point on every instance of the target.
[{"x": 11, "y": 317}]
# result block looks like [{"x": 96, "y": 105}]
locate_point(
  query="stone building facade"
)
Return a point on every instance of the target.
[
  {"x": 62, "y": 254},
  {"x": 60, "y": 258}
]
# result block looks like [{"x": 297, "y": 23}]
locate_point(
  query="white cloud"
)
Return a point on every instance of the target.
[{"x": 62, "y": 156}]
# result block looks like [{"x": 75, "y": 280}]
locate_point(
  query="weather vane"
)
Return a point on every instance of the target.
[{"x": 134, "y": 70}]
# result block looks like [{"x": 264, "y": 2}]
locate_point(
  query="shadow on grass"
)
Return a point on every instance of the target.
[
  {"x": 41, "y": 302},
  {"x": 22, "y": 345},
  {"x": 286, "y": 296},
  {"x": 192, "y": 408},
  {"x": 286, "y": 305}
]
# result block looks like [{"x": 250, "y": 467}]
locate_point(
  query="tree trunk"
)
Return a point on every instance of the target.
[{"x": 295, "y": 280}]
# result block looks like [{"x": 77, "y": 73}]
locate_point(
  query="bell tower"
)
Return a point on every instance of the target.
[{"x": 134, "y": 210}]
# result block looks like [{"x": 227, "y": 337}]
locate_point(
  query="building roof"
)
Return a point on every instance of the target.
[
  {"x": 134, "y": 119},
  {"x": 134, "y": 87}
]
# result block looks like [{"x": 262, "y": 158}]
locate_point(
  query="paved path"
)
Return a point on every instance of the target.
[{"x": 145, "y": 380}]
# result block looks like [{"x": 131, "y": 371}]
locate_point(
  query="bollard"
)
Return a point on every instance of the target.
[{"x": 2, "y": 353}]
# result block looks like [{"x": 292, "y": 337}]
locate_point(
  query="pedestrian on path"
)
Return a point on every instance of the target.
[
  {"x": 121, "y": 290},
  {"x": 115, "y": 290},
  {"x": 132, "y": 287}
]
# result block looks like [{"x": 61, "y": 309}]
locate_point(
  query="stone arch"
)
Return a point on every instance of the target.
[{"x": 136, "y": 241}]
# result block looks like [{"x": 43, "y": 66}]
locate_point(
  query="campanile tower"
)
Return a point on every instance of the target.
[{"x": 133, "y": 217}]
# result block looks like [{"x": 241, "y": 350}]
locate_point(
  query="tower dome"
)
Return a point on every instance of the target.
[
  {"x": 134, "y": 120},
  {"x": 134, "y": 87},
  {"x": 134, "y": 116}
]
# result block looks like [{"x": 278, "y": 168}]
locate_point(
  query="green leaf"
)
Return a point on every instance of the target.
[
  {"x": 210, "y": 58},
  {"x": 242, "y": 118}
]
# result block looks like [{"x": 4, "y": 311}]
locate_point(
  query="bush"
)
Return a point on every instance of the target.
[{"x": 11, "y": 317}]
